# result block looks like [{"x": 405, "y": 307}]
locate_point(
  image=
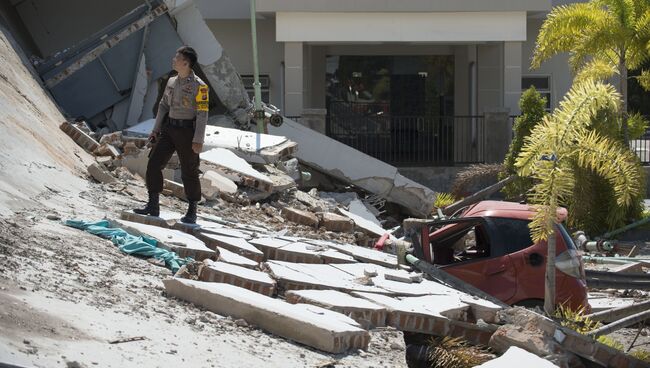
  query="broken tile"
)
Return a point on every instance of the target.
[
  {"x": 246, "y": 278},
  {"x": 369, "y": 315},
  {"x": 307, "y": 324}
]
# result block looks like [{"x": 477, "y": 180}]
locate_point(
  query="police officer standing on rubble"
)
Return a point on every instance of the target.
[{"x": 180, "y": 127}]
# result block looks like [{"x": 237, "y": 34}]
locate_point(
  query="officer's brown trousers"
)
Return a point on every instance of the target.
[{"x": 169, "y": 140}]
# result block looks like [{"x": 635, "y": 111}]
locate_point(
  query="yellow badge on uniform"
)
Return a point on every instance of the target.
[{"x": 202, "y": 98}]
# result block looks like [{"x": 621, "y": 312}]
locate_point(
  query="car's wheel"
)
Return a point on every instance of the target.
[{"x": 530, "y": 303}]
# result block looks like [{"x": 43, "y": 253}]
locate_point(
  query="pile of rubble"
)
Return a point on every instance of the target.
[
  {"x": 237, "y": 169},
  {"x": 321, "y": 291}
]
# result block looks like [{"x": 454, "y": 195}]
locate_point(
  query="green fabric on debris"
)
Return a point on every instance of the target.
[{"x": 131, "y": 244}]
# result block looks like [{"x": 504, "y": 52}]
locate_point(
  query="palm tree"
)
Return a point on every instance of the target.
[
  {"x": 603, "y": 38},
  {"x": 564, "y": 141}
]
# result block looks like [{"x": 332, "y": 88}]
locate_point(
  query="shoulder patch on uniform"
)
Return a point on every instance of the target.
[{"x": 202, "y": 98}]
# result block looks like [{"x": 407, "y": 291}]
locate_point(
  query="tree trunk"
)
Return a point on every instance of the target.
[
  {"x": 622, "y": 69},
  {"x": 549, "y": 286}
]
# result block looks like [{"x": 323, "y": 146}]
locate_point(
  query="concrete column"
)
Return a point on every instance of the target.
[
  {"x": 293, "y": 78},
  {"x": 498, "y": 132},
  {"x": 512, "y": 60}
]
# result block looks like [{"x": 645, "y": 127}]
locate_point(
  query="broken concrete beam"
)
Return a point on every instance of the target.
[
  {"x": 309, "y": 325},
  {"x": 351, "y": 166},
  {"x": 231, "y": 257},
  {"x": 517, "y": 357},
  {"x": 369, "y": 315},
  {"x": 229, "y": 163},
  {"x": 334, "y": 222},
  {"x": 269, "y": 246},
  {"x": 185, "y": 245},
  {"x": 166, "y": 219},
  {"x": 226, "y": 273},
  {"x": 106, "y": 149},
  {"x": 177, "y": 189},
  {"x": 213, "y": 183},
  {"x": 252, "y": 147},
  {"x": 99, "y": 173},
  {"x": 79, "y": 136},
  {"x": 236, "y": 245},
  {"x": 300, "y": 217}
]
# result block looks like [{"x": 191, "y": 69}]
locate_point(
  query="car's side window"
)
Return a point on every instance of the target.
[{"x": 508, "y": 235}]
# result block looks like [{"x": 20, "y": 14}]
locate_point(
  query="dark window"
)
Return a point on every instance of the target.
[
  {"x": 542, "y": 84},
  {"x": 265, "y": 84},
  {"x": 508, "y": 235}
]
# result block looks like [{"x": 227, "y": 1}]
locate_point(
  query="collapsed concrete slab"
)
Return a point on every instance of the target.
[
  {"x": 231, "y": 257},
  {"x": 167, "y": 219},
  {"x": 210, "y": 227},
  {"x": 213, "y": 183},
  {"x": 369, "y": 315},
  {"x": 236, "y": 168},
  {"x": 351, "y": 166},
  {"x": 252, "y": 147},
  {"x": 237, "y": 245},
  {"x": 361, "y": 254},
  {"x": 307, "y": 324},
  {"x": 226, "y": 273},
  {"x": 299, "y": 216},
  {"x": 299, "y": 253},
  {"x": 300, "y": 276},
  {"x": 269, "y": 246},
  {"x": 185, "y": 245},
  {"x": 366, "y": 226},
  {"x": 334, "y": 222}
]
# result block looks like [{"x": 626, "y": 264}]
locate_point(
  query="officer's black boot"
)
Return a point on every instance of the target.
[
  {"x": 153, "y": 206},
  {"x": 190, "y": 216}
]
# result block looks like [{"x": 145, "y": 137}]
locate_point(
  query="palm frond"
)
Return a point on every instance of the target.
[{"x": 596, "y": 70}]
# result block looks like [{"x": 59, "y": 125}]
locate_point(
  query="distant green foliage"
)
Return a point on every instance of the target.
[{"x": 532, "y": 106}]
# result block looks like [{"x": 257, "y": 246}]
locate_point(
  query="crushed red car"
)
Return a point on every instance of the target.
[{"x": 489, "y": 246}]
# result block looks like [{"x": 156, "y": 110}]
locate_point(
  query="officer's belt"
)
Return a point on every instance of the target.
[{"x": 178, "y": 123}]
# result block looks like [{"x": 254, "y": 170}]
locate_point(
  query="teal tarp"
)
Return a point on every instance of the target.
[{"x": 131, "y": 244}]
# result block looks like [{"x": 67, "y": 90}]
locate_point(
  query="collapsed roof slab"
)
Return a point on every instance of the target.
[
  {"x": 351, "y": 166},
  {"x": 307, "y": 324}
]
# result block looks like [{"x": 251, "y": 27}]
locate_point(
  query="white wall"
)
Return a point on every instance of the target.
[
  {"x": 557, "y": 67},
  {"x": 235, "y": 37}
]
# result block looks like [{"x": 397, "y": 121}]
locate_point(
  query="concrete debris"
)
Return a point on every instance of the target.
[
  {"x": 307, "y": 324},
  {"x": 369, "y": 315},
  {"x": 366, "y": 226},
  {"x": 237, "y": 245},
  {"x": 334, "y": 222},
  {"x": 106, "y": 149},
  {"x": 635, "y": 267},
  {"x": 300, "y": 217},
  {"x": 253, "y": 147},
  {"x": 213, "y": 183},
  {"x": 235, "y": 167},
  {"x": 269, "y": 246},
  {"x": 314, "y": 203},
  {"x": 183, "y": 244},
  {"x": 79, "y": 136},
  {"x": 166, "y": 219},
  {"x": 176, "y": 189},
  {"x": 351, "y": 166},
  {"x": 363, "y": 210},
  {"x": 101, "y": 174},
  {"x": 517, "y": 357},
  {"x": 231, "y": 257},
  {"x": 362, "y": 254},
  {"x": 226, "y": 273}
]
